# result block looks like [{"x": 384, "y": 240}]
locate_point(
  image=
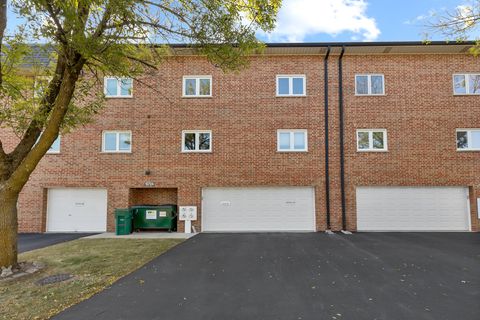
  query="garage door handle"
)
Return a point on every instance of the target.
[{"x": 290, "y": 202}]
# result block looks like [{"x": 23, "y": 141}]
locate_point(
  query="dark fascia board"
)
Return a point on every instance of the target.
[{"x": 349, "y": 44}]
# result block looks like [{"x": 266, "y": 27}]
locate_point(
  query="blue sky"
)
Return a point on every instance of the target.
[
  {"x": 357, "y": 20},
  {"x": 352, "y": 20}
]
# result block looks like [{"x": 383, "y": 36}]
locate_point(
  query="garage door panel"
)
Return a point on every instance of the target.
[
  {"x": 258, "y": 209},
  {"x": 412, "y": 209},
  {"x": 76, "y": 210}
]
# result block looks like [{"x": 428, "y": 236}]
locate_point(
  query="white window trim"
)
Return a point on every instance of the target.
[
  {"x": 469, "y": 138},
  {"x": 119, "y": 90},
  {"x": 290, "y": 85},
  {"x": 370, "y": 140},
  {"x": 467, "y": 84},
  {"x": 118, "y": 132},
  {"x": 369, "y": 84},
  {"x": 292, "y": 144},
  {"x": 197, "y": 86},
  {"x": 50, "y": 151},
  {"x": 197, "y": 141}
]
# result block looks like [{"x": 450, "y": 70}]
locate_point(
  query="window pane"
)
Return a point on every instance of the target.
[
  {"x": 299, "y": 140},
  {"x": 475, "y": 137},
  {"x": 189, "y": 143},
  {"x": 284, "y": 141},
  {"x": 55, "y": 146},
  {"x": 377, "y": 140},
  {"x": 462, "y": 141},
  {"x": 377, "y": 84},
  {"x": 111, "y": 87},
  {"x": 362, "y": 84},
  {"x": 474, "y": 84},
  {"x": 204, "y": 87},
  {"x": 110, "y": 142},
  {"x": 298, "y": 86},
  {"x": 126, "y": 87},
  {"x": 459, "y": 84},
  {"x": 363, "y": 140},
  {"x": 190, "y": 89},
  {"x": 125, "y": 141},
  {"x": 283, "y": 84},
  {"x": 204, "y": 141}
]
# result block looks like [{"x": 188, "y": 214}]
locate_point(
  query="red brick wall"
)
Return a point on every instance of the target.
[
  {"x": 153, "y": 196},
  {"x": 421, "y": 115},
  {"x": 243, "y": 115},
  {"x": 419, "y": 112}
]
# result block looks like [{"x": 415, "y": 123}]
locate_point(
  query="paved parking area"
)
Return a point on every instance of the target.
[
  {"x": 301, "y": 276},
  {"x": 32, "y": 241}
]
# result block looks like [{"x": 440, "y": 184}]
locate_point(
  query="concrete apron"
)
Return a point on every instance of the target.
[{"x": 143, "y": 235}]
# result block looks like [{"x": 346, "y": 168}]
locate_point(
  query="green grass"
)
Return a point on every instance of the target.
[{"x": 95, "y": 264}]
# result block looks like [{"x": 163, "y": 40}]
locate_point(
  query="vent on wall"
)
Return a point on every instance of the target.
[{"x": 387, "y": 49}]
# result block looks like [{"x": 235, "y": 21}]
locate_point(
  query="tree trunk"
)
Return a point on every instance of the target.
[{"x": 8, "y": 228}]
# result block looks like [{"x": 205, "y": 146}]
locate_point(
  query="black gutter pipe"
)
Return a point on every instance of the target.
[
  {"x": 327, "y": 147},
  {"x": 341, "y": 130}
]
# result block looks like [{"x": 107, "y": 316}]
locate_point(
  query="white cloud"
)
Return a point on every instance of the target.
[{"x": 298, "y": 19}]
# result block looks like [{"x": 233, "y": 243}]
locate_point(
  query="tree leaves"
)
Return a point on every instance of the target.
[{"x": 119, "y": 38}]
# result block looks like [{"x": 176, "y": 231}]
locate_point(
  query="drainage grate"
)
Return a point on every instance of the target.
[{"x": 54, "y": 279}]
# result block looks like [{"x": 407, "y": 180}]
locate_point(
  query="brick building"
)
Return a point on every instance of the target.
[{"x": 252, "y": 150}]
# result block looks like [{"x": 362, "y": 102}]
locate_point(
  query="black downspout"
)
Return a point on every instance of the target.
[
  {"x": 327, "y": 174},
  {"x": 341, "y": 130}
]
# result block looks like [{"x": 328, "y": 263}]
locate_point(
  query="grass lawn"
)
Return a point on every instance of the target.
[{"x": 95, "y": 264}]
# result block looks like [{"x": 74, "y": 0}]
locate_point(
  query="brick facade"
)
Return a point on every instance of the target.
[{"x": 419, "y": 111}]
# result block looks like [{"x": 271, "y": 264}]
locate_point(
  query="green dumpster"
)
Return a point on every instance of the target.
[
  {"x": 155, "y": 217},
  {"x": 123, "y": 221}
]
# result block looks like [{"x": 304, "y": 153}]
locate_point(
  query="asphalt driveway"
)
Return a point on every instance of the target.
[
  {"x": 32, "y": 241},
  {"x": 300, "y": 276}
]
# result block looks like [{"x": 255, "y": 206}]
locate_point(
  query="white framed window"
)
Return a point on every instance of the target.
[
  {"x": 372, "y": 140},
  {"x": 118, "y": 87},
  {"x": 197, "y": 86},
  {"x": 468, "y": 139},
  {"x": 55, "y": 147},
  {"x": 466, "y": 84},
  {"x": 369, "y": 85},
  {"x": 117, "y": 141},
  {"x": 291, "y": 85},
  {"x": 197, "y": 141},
  {"x": 292, "y": 140}
]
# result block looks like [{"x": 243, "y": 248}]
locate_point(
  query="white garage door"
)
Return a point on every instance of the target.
[
  {"x": 258, "y": 209},
  {"x": 412, "y": 209},
  {"x": 76, "y": 210}
]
